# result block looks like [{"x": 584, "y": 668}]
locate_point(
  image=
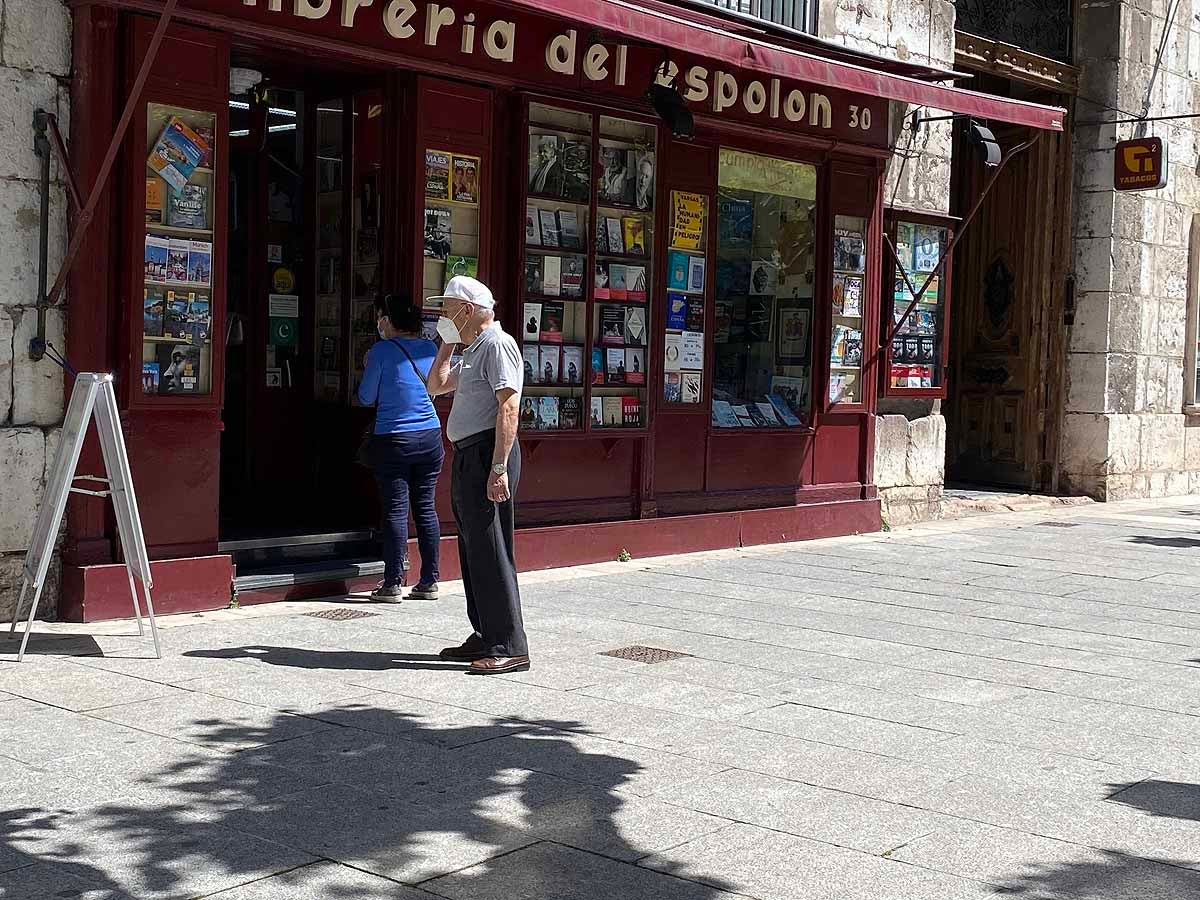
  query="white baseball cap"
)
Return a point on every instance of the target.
[{"x": 468, "y": 290}]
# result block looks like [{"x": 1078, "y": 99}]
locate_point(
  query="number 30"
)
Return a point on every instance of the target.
[{"x": 860, "y": 118}]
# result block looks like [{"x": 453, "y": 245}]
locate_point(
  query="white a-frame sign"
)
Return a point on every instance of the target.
[{"x": 92, "y": 396}]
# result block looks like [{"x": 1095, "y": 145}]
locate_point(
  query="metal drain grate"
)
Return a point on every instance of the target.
[
  {"x": 645, "y": 654},
  {"x": 1058, "y": 524},
  {"x": 340, "y": 614}
]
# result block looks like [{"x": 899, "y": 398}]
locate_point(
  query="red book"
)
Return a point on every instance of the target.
[{"x": 631, "y": 412}]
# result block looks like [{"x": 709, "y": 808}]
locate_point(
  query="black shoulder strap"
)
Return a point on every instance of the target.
[{"x": 421, "y": 378}]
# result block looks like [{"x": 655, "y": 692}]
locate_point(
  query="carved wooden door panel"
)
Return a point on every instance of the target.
[{"x": 1006, "y": 271}]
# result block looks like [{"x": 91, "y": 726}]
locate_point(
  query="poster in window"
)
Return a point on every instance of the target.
[
  {"x": 466, "y": 179},
  {"x": 643, "y": 179},
  {"x": 437, "y": 174},
  {"x": 687, "y": 220},
  {"x": 616, "y": 179},
  {"x": 848, "y": 252},
  {"x": 928, "y": 248},
  {"x": 793, "y": 344},
  {"x": 437, "y": 232}
]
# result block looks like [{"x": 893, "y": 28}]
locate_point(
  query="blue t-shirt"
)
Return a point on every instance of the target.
[{"x": 399, "y": 395}]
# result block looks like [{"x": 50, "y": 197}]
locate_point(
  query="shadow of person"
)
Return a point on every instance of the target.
[
  {"x": 1106, "y": 874},
  {"x": 532, "y": 809},
  {"x": 1169, "y": 799},
  {"x": 355, "y": 660}
]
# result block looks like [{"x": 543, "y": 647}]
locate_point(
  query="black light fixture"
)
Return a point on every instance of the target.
[
  {"x": 984, "y": 143},
  {"x": 671, "y": 107}
]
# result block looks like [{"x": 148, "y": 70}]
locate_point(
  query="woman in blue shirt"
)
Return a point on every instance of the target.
[{"x": 405, "y": 449}]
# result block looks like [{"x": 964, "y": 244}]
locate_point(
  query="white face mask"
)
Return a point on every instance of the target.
[{"x": 448, "y": 331}]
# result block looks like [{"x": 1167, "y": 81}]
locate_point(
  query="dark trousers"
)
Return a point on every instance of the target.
[
  {"x": 406, "y": 467},
  {"x": 485, "y": 545}
]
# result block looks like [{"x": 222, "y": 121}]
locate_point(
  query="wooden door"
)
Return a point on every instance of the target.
[{"x": 1009, "y": 288}]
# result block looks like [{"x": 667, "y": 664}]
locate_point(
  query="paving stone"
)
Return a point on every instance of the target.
[
  {"x": 38, "y": 735},
  {"x": 44, "y": 880},
  {"x": 697, "y": 700},
  {"x": 81, "y": 689},
  {"x": 845, "y": 730},
  {"x": 417, "y": 720},
  {"x": 857, "y": 700},
  {"x": 278, "y": 689},
  {"x": 547, "y": 870},
  {"x": 321, "y": 881},
  {"x": 848, "y": 820}
]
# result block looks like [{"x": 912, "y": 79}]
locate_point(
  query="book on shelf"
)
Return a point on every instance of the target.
[
  {"x": 158, "y": 252},
  {"x": 531, "y": 360},
  {"x": 672, "y": 351},
  {"x": 601, "y": 237},
  {"x": 208, "y": 143},
  {"x": 927, "y": 349},
  {"x": 199, "y": 318},
  {"x": 531, "y": 321},
  {"x": 695, "y": 313},
  {"x": 852, "y": 295},
  {"x": 549, "y": 356},
  {"x": 756, "y": 416},
  {"x": 572, "y": 365},
  {"x": 677, "y": 311},
  {"x": 552, "y": 323},
  {"x": 735, "y": 223},
  {"x": 742, "y": 413},
  {"x": 568, "y": 229},
  {"x": 548, "y": 412},
  {"x": 551, "y": 275},
  {"x": 600, "y": 284},
  {"x": 572, "y": 275},
  {"x": 614, "y": 415},
  {"x": 175, "y": 316},
  {"x": 461, "y": 265},
  {"x": 643, "y": 179},
  {"x": 199, "y": 263},
  {"x": 767, "y": 412},
  {"x": 549, "y": 226},
  {"x": 631, "y": 412},
  {"x": 533, "y": 227},
  {"x": 529, "y": 417},
  {"x": 635, "y": 284},
  {"x": 177, "y": 153},
  {"x": 672, "y": 388},
  {"x": 635, "y": 325},
  {"x": 692, "y": 387},
  {"x": 633, "y": 229},
  {"x": 533, "y": 275},
  {"x": 696, "y": 273},
  {"x": 785, "y": 413},
  {"x": 722, "y": 321},
  {"x": 597, "y": 365},
  {"x": 150, "y": 376},
  {"x": 838, "y": 302},
  {"x": 569, "y": 413},
  {"x": 618, "y": 281},
  {"x": 764, "y": 278},
  {"x": 154, "y": 203},
  {"x": 853, "y": 353},
  {"x": 848, "y": 252},
  {"x": 153, "y": 311},
  {"x": 793, "y": 390},
  {"x": 617, "y": 176},
  {"x": 614, "y": 365},
  {"x": 635, "y": 365},
  {"x": 179, "y": 369},
  {"x": 616, "y": 238},
  {"x": 466, "y": 180},
  {"x": 612, "y": 324},
  {"x": 545, "y": 165},
  {"x": 177, "y": 259},
  {"x": 437, "y": 232},
  {"x": 912, "y": 349},
  {"x": 577, "y": 169},
  {"x": 692, "y": 355},
  {"x": 733, "y": 277},
  {"x": 597, "y": 412},
  {"x": 188, "y": 208},
  {"x": 329, "y": 274},
  {"x": 677, "y": 270},
  {"x": 723, "y": 415}
]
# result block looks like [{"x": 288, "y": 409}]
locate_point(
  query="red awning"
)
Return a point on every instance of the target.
[{"x": 695, "y": 36}]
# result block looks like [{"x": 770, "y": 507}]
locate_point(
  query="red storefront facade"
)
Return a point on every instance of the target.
[{"x": 703, "y": 318}]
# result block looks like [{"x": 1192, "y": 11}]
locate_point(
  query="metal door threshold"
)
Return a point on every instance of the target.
[{"x": 308, "y": 573}]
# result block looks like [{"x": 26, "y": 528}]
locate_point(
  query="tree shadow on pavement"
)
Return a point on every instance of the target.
[
  {"x": 1169, "y": 799},
  {"x": 1108, "y": 875},
  {"x": 363, "y": 803}
]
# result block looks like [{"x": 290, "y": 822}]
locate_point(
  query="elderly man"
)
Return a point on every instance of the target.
[{"x": 487, "y": 465}]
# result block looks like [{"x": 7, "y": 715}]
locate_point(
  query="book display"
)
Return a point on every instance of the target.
[
  {"x": 764, "y": 283},
  {"x": 846, "y": 307},
  {"x": 685, "y": 336},
  {"x": 177, "y": 347},
  {"x": 331, "y": 338},
  {"x": 587, "y": 254},
  {"x": 916, "y": 355}
]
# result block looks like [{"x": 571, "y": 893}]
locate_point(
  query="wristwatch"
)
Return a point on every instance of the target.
[{"x": 500, "y": 469}]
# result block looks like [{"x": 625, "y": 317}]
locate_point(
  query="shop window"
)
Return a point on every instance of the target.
[
  {"x": 764, "y": 290},
  {"x": 589, "y": 243},
  {"x": 177, "y": 316},
  {"x": 331, "y": 351},
  {"x": 916, "y": 305},
  {"x": 1191, "y": 361}
]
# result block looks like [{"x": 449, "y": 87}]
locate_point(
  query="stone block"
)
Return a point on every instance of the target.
[
  {"x": 1132, "y": 267},
  {"x": 1170, "y": 269},
  {"x": 909, "y": 505},
  {"x": 37, "y": 387},
  {"x": 1125, "y": 323},
  {"x": 1094, "y": 265},
  {"x": 1124, "y": 446},
  {"x": 20, "y": 94},
  {"x": 1124, "y": 389},
  {"x": 1174, "y": 384},
  {"x": 37, "y": 36},
  {"x": 1137, "y": 217},
  {"x": 1089, "y": 332},
  {"x": 1156, "y": 384},
  {"x": 927, "y": 451},
  {"x": 942, "y": 14},
  {"x": 1148, "y": 332},
  {"x": 1093, "y": 169},
  {"x": 1191, "y": 444},
  {"x": 24, "y": 453},
  {"x": 1086, "y": 382},
  {"x": 1162, "y": 443},
  {"x": 6, "y": 364},
  {"x": 1172, "y": 327},
  {"x": 1176, "y": 222},
  {"x": 1094, "y": 214},
  {"x": 1194, "y": 482},
  {"x": 891, "y": 450},
  {"x": 1124, "y": 487},
  {"x": 1085, "y": 444},
  {"x": 20, "y": 213}
]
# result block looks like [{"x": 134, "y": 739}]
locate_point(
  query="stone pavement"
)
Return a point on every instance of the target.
[{"x": 1004, "y": 706}]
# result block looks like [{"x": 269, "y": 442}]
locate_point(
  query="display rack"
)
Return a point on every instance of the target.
[
  {"x": 588, "y": 275},
  {"x": 847, "y": 302}
]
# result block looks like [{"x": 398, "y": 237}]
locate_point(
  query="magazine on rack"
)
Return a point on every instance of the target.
[
  {"x": 188, "y": 208},
  {"x": 437, "y": 232}
]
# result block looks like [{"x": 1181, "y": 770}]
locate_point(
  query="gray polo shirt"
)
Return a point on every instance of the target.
[{"x": 492, "y": 363}]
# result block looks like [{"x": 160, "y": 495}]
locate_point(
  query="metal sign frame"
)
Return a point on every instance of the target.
[{"x": 92, "y": 397}]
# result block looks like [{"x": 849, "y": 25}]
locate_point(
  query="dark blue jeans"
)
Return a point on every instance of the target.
[{"x": 406, "y": 467}]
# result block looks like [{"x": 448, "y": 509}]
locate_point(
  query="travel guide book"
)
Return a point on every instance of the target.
[
  {"x": 152, "y": 312},
  {"x": 188, "y": 208},
  {"x": 177, "y": 153}
]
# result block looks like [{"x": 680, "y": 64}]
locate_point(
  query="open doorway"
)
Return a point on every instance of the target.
[
  {"x": 305, "y": 231},
  {"x": 1005, "y": 388}
]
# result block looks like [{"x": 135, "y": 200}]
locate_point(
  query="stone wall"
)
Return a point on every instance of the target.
[
  {"x": 1125, "y": 434},
  {"x": 35, "y": 64},
  {"x": 910, "y": 436}
]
